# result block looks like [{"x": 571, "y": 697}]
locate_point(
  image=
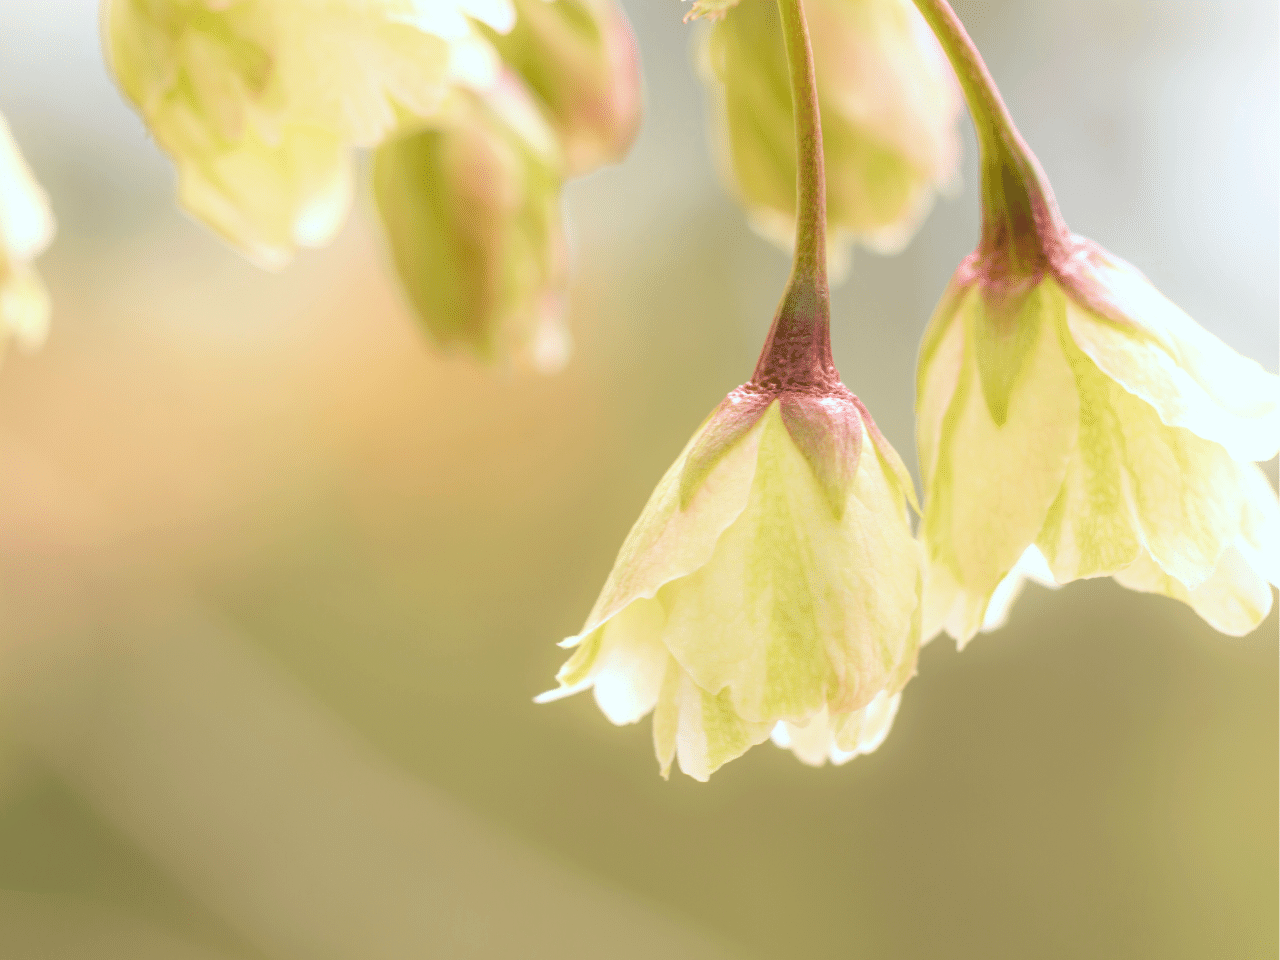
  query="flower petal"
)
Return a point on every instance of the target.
[
  {"x": 1233, "y": 600},
  {"x": 839, "y": 737},
  {"x": 1030, "y": 566},
  {"x": 350, "y": 65},
  {"x": 710, "y": 732},
  {"x": 632, "y": 663},
  {"x": 811, "y": 742},
  {"x": 670, "y": 541},
  {"x": 26, "y": 228},
  {"x": 797, "y": 609},
  {"x": 946, "y": 606},
  {"x": 862, "y": 731},
  {"x": 890, "y": 461},
  {"x": 1187, "y": 491},
  {"x": 268, "y": 199},
  {"x": 827, "y": 431},
  {"x": 1092, "y": 527},
  {"x": 1260, "y": 530},
  {"x": 729, "y": 422},
  {"x": 26, "y": 223},
  {"x": 993, "y": 485},
  {"x": 666, "y": 717},
  {"x": 938, "y": 376},
  {"x": 1188, "y": 375}
]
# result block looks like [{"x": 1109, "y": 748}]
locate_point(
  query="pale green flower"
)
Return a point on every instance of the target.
[
  {"x": 1085, "y": 426},
  {"x": 259, "y": 102},
  {"x": 1071, "y": 422},
  {"x": 890, "y": 111},
  {"x": 770, "y": 587},
  {"x": 580, "y": 59},
  {"x": 471, "y": 208},
  {"x": 26, "y": 228}
]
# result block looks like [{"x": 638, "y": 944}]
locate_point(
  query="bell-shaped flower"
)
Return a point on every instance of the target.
[
  {"x": 890, "y": 111},
  {"x": 1072, "y": 420},
  {"x": 771, "y": 584},
  {"x": 259, "y": 102},
  {"x": 471, "y": 207},
  {"x": 26, "y": 228},
  {"x": 579, "y": 58}
]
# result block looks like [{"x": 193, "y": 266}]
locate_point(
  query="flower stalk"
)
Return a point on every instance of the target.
[
  {"x": 797, "y": 352},
  {"x": 1023, "y": 232}
]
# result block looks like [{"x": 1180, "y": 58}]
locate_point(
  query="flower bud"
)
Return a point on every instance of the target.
[
  {"x": 258, "y": 102},
  {"x": 471, "y": 209},
  {"x": 579, "y": 57},
  {"x": 26, "y": 228},
  {"x": 889, "y": 104},
  {"x": 770, "y": 587},
  {"x": 1073, "y": 412}
]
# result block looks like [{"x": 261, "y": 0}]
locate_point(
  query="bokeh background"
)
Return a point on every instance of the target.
[{"x": 278, "y": 582}]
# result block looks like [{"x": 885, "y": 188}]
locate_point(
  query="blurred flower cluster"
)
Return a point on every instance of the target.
[{"x": 478, "y": 110}]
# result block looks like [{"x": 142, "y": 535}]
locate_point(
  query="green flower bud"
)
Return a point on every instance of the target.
[
  {"x": 258, "y": 102},
  {"x": 580, "y": 59},
  {"x": 26, "y": 228},
  {"x": 1080, "y": 423},
  {"x": 769, "y": 588},
  {"x": 472, "y": 212},
  {"x": 889, "y": 104}
]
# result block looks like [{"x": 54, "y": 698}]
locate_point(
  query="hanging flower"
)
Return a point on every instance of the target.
[
  {"x": 26, "y": 228},
  {"x": 889, "y": 112},
  {"x": 1072, "y": 419},
  {"x": 770, "y": 586},
  {"x": 579, "y": 59},
  {"x": 471, "y": 207},
  {"x": 259, "y": 102}
]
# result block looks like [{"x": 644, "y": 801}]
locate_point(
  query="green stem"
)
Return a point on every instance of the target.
[
  {"x": 1022, "y": 228},
  {"x": 811, "y": 181},
  {"x": 797, "y": 353}
]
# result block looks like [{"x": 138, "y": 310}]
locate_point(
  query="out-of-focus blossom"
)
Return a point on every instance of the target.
[
  {"x": 259, "y": 102},
  {"x": 1066, "y": 408},
  {"x": 710, "y": 9},
  {"x": 580, "y": 59},
  {"x": 26, "y": 228},
  {"x": 471, "y": 207},
  {"x": 770, "y": 586},
  {"x": 890, "y": 107}
]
